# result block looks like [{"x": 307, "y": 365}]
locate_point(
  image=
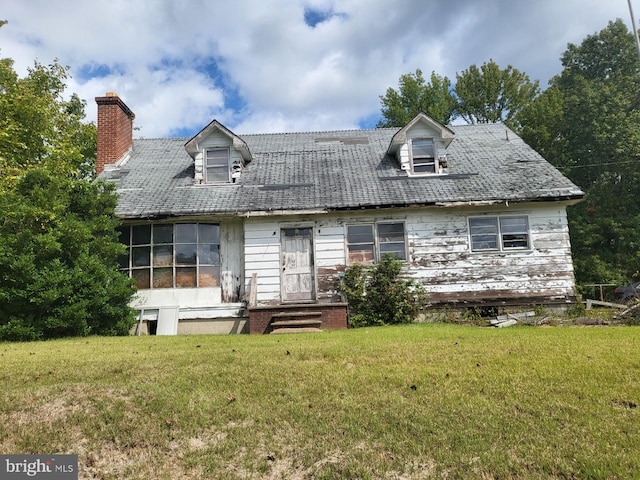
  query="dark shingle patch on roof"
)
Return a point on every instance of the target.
[{"x": 336, "y": 171}]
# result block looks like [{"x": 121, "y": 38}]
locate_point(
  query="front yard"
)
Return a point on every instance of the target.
[{"x": 417, "y": 401}]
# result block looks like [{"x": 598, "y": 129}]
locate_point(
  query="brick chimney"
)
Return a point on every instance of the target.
[{"x": 115, "y": 130}]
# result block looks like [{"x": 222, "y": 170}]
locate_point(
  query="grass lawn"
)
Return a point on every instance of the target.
[{"x": 419, "y": 401}]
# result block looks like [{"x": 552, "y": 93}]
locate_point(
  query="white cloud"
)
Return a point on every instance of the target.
[{"x": 161, "y": 56}]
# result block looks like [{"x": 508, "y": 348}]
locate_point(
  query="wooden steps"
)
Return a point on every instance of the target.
[{"x": 296, "y": 322}]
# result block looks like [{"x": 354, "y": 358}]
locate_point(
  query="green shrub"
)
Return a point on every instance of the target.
[
  {"x": 58, "y": 260},
  {"x": 378, "y": 295}
]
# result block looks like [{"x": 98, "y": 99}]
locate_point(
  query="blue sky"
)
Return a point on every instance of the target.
[{"x": 284, "y": 65}]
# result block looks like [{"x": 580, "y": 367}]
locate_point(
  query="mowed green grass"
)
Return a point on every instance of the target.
[{"x": 419, "y": 401}]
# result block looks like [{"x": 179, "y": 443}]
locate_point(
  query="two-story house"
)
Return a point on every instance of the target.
[{"x": 230, "y": 233}]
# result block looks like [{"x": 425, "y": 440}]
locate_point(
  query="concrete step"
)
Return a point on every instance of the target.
[
  {"x": 279, "y": 331},
  {"x": 296, "y": 314},
  {"x": 294, "y": 323}
]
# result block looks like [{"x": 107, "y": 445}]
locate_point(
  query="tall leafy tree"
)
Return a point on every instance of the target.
[
  {"x": 414, "y": 96},
  {"x": 39, "y": 127},
  {"x": 490, "y": 94},
  {"x": 588, "y": 124},
  {"x": 486, "y": 94},
  {"x": 58, "y": 245}
]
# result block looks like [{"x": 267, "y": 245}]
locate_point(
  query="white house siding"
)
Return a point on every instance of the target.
[
  {"x": 442, "y": 259},
  {"x": 439, "y": 254},
  {"x": 262, "y": 255},
  {"x": 330, "y": 257}
]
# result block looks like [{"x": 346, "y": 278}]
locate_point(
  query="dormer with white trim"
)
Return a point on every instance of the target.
[
  {"x": 219, "y": 155},
  {"x": 421, "y": 146}
]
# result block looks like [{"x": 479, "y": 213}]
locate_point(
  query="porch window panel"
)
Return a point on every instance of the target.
[
  {"x": 186, "y": 277},
  {"x": 163, "y": 277},
  {"x": 209, "y": 276},
  {"x": 124, "y": 234},
  {"x": 140, "y": 256},
  {"x": 186, "y": 254},
  {"x": 208, "y": 233},
  {"x": 141, "y": 235},
  {"x": 123, "y": 260},
  {"x": 209, "y": 254},
  {"x": 163, "y": 234},
  {"x": 162, "y": 255},
  {"x": 183, "y": 255},
  {"x": 484, "y": 242},
  {"x": 186, "y": 233},
  {"x": 142, "y": 277}
]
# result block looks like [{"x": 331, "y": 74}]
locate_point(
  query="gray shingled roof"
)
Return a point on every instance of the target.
[{"x": 336, "y": 170}]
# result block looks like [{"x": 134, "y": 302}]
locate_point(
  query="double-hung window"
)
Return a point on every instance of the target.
[
  {"x": 180, "y": 255},
  {"x": 423, "y": 156},
  {"x": 501, "y": 233},
  {"x": 217, "y": 165},
  {"x": 368, "y": 242}
]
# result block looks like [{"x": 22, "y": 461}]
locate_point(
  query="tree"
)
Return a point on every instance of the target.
[
  {"x": 588, "y": 124},
  {"x": 58, "y": 244},
  {"x": 58, "y": 260},
  {"x": 481, "y": 95},
  {"x": 38, "y": 127},
  {"x": 490, "y": 95},
  {"x": 413, "y": 96}
]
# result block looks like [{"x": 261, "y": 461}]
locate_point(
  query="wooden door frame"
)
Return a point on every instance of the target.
[{"x": 312, "y": 266}]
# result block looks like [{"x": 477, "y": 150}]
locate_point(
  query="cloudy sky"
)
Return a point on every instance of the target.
[{"x": 262, "y": 66}]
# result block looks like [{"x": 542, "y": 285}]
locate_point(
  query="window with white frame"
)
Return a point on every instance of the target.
[
  {"x": 499, "y": 233},
  {"x": 423, "y": 156},
  {"x": 368, "y": 242},
  {"x": 172, "y": 255},
  {"x": 217, "y": 165}
]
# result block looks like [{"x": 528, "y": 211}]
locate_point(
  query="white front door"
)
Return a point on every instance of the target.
[{"x": 297, "y": 264}]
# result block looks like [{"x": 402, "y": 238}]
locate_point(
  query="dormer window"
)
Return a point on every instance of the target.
[
  {"x": 421, "y": 147},
  {"x": 217, "y": 165},
  {"x": 219, "y": 155},
  {"x": 423, "y": 156}
]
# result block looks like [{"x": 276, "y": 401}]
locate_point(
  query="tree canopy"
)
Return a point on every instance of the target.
[
  {"x": 490, "y": 95},
  {"x": 58, "y": 242},
  {"x": 588, "y": 124},
  {"x": 414, "y": 96},
  {"x": 486, "y": 94},
  {"x": 38, "y": 127}
]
